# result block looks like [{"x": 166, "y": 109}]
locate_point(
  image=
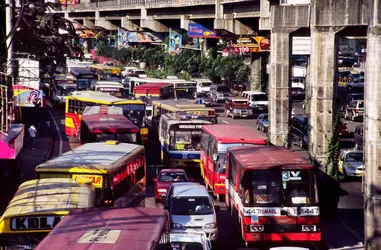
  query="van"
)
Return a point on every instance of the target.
[
  {"x": 192, "y": 209},
  {"x": 191, "y": 240},
  {"x": 203, "y": 85},
  {"x": 358, "y": 136},
  {"x": 258, "y": 100}
]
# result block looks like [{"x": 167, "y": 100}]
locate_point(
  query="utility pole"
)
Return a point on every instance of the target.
[{"x": 8, "y": 29}]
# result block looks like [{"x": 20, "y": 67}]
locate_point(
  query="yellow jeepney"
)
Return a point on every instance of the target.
[{"x": 38, "y": 206}]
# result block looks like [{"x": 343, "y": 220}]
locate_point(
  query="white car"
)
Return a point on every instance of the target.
[
  {"x": 203, "y": 85},
  {"x": 351, "y": 163},
  {"x": 192, "y": 240},
  {"x": 127, "y": 70}
]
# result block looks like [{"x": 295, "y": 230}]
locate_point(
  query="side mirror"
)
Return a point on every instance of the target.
[
  {"x": 215, "y": 157},
  {"x": 154, "y": 180}
]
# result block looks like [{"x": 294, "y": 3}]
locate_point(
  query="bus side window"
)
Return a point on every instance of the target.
[
  {"x": 205, "y": 142},
  {"x": 232, "y": 172},
  {"x": 212, "y": 149},
  {"x": 71, "y": 104}
]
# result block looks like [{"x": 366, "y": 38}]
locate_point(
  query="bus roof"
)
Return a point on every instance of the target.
[
  {"x": 113, "y": 123},
  {"x": 269, "y": 157},
  {"x": 153, "y": 85},
  {"x": 79, "y": 70},
  {"x": 122, "y": 228},
  {"x": 180, "y": 104},
  {"x": 99, "y": 97},
  {"x": 48, "y": 196},
  {"x": 232, "y": 133},
  {"x": 96, "y": 158}
]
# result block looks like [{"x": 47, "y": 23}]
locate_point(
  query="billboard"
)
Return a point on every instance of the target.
[
  {"x": 69, "y": 2},
  {"x": 198, "y": 31},
  {"x": 301, "y": 45},
  {"x": 251, "y": 44},
  {"x": 175, "y": 41},
  {"x": 24, "y": 97},
  {"x": 125, "y": 37}
]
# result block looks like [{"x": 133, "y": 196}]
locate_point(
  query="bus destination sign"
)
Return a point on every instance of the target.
[
  {"x": 190, "y": 126},
  {"x": 35, "y": 223}
]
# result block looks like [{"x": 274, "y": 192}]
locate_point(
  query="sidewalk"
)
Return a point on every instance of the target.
[{"x": 337, "y": 236}]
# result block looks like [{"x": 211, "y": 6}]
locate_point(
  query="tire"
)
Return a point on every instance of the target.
[
  {"x": 258, "y": 127},
  {"x": 233, "y": 116},
  {"x": 301, "y": 144},
  {"x": 226, "y": 113},
  {"x": 353, "y": 117},
  {"x": 263, "y": 129}
]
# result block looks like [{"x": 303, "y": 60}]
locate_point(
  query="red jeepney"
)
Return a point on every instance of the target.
[
  {"x": 272, "y": 192},
  {"x": 155, "y": 90},
  {"x": 105, "y": 123},
  {"x": 214, "y": 143}
]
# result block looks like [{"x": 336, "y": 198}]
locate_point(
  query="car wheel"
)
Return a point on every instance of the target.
[
  {"x": 301, "y": 144},
  {"x": 233, "y": 116},
  {"x": 353, "y": 117},
  {"x": 258, "y": 128},
  {"x": 263, "y": 129}
]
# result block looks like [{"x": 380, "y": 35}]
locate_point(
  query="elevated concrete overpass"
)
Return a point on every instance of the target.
[{"x": 236, "y": 16}]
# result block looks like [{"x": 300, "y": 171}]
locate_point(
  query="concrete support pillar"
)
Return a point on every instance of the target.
[
  {"x": 88, "y": 23},
  {"x": 256, "y": 71},
  {"x": 219, "y": 9},
  {"x": 372, "y": 130},
  {"x": 184, "y": 22},
  {"x": 322, "y": 85},
  {"x": 128, "y": 25},
  {"x": 66, "y": 14},
  {"x": 97, "y": 14},
  {"x": 149, "y": 22},
  {"x": 265, "y": 13},
  {"x": 102, "y": 22},
  {"x": 279, "y": 86}
]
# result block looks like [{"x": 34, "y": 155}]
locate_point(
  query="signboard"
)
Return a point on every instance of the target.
[
  {"x": 35, "y": 223},
  {"x": 251, "y": 44},
  {"x": 24, "y": 97},
  {"x": 199, "y": 31},
  {"x": 96, "y": 179},
  {"x": 126, "y": 37},
  {"x": 190, "y": 126},
  {"x": 175, "y": 41},
  {"x": 85, "y": 34},
  {"x": 301, "y": 45},
  {"x": 69, "y": 2}
]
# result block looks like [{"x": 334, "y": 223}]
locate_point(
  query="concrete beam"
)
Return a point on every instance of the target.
[
  {"x": 128, "y": 25},
  {"x": 290, "y": 16},
  {"x": 322, "y": 88},
  {"x": 264, "y": 16},
  {"x": 279, "y": 85},
  {"x": 232, "y": 25},
  {"x": 184, "y": 22},
  {"x": 372, "y": 130},
  {"x": 88, "y": 23},
  {"x": 102, "y": 22},
  {"x": 152, "y": 24}
]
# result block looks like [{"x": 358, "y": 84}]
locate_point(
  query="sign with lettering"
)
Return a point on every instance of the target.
[
  {"x": 96, "y": 179},
  {"x": 35, "y": 223},
  {"x": 276, "y": 211},
  {"x": 190, "y": 126}
]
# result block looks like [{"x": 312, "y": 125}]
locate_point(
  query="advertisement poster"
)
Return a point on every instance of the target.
[
  {"x": 122, "y": 39},
  {"x": 175, "y": 41},
  {"x": 24, "y": 97},
  {"x": 69, "y": 2},
  {"x": 252, "y": 44},
  {"x": 85, "y": 34},
  {"x": 196, "y": 30},
  {"x": 125, "y": 37}
]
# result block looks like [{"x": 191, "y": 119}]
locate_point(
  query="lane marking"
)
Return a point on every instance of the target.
[
  {"x": 58, "y": 131},
  {"x": 225, "y": 122}
]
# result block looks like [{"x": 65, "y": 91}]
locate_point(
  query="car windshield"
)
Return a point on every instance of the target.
[
  {"x": 140, "y": 72},
  {"x": 186, "y": 246},
  {"x": 361, "y": 105},
  {"x": 185, "y": 140},
  {"x": 281, "y": 188},
  {"x": 360, "y": 80},
  {"x": 354, "y": 157},
  {"x": 223, "y": 89},
  {"x": 205, "y": 84},
  {"x": 173, "y": 177},
  {"x": 191, "y": 206},
  {"x": 260, "y": 97}
]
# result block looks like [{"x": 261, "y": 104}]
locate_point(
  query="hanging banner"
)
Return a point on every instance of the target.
[
  {"x": 198, "y": 31},
  {"x": 85, "y": 34},
  {"x": 142, "y": 37},
  {"x": 24, "y": 97},
  {"x": 69, "y": 2},
  {"x": 122, "y": 39},
  {"x": 251, "y": 44},
  {"x": 175, "y": 41}
]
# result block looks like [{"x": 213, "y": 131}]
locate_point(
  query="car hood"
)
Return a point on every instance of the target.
[
  {"x": 164, "y": 185},
  {"x": 193, "y": 220}
]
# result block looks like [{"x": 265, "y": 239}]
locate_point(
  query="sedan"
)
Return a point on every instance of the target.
[
  {"x": 164, "y": 180},
  {"x": 343, "y": 130},
  {"x": 351, "y": 163},
  {"x": 262, "y": 122}
]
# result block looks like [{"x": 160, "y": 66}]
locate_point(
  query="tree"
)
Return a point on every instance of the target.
[{"x": 41, "y": 32}]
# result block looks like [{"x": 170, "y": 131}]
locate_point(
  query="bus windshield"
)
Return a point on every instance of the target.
[
  {"x": 134, "y": 112},
  {"x": 185, "y": 140},
  {"x": 120, "y": 137},
  {"x": 184, "y": 93},
  {"x": 279, "y": 187}
]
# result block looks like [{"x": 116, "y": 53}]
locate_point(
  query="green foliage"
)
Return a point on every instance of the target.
[
  {"x": 331, "y": 167},
  {"x": 186, "y": 64}
]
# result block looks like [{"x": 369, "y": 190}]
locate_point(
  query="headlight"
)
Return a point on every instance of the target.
[
  {"x": 161, "y": 190},
  {"x": 177, "y": 226},
  {"x": 210, "y": 225}
]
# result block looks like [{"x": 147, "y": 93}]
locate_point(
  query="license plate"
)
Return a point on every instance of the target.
[{"x": 260, "y": 108}]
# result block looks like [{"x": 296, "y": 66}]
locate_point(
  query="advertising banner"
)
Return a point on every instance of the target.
[
  {"x": 84, "y": 34},
  {"x": 175, "y": 41},
  {"x": 196, "y": 30},
  {"x": 252, "y": 44},
  {"x": 69, "y": 2},
  {"x": 122, "y": 39},
  {"x": 24, "y": 97},
  {"x": 125, "y": 37}
]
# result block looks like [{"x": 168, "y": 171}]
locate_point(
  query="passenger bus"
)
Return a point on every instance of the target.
[
  {"x": 104, "y": 72},
  {"x": 134, "y": 110},
  {"x": 272, "y": 192},
  {"x": 37, "y": 206},
  {"x": 184, "y": 89},
  {"x": 131, "y": 82},
  {"x": 113, "y": 228},
  {"x": 113, "y": 167},
  {"x": 154, "y": 91},
  {"x": 216, "y": 139},
  {"x": 84, "y": 78},
  {"x": 180, "y": 139},
  {"x": 172, "y": 106},
  {"x": 105, "y": 123}
]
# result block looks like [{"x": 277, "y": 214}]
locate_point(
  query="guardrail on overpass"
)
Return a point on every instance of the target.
[{"x": 134, "y": 4}]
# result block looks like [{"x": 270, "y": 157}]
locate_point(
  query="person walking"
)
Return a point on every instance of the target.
[{"x": 32, "y": 133}]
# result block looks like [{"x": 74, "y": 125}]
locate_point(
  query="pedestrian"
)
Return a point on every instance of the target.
[{"x": 32, "y": 133}]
